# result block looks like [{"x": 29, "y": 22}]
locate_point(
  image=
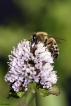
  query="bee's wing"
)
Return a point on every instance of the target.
[{"x": 57, "y": 39}]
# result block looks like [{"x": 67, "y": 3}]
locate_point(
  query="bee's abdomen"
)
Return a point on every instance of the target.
[
  {"x": 56, "y": 55},
  {"x": 54, "y": 51}
]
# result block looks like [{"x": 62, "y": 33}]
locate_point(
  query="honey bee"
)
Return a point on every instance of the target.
[{"x": 48, "y": 41}]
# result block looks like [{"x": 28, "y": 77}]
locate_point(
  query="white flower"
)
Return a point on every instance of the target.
[{"x": 26, "y": 66}]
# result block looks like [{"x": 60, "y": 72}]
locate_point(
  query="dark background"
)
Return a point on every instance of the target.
[{"x": 18, "y": 20}]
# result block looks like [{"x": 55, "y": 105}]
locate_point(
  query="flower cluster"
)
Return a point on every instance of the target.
[{"x": 30, "y": 63}]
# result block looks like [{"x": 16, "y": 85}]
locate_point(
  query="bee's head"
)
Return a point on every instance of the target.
[{"x": 34, "y": 38}]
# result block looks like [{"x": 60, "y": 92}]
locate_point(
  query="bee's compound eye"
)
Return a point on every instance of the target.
[{"x": 34, "y": 38}]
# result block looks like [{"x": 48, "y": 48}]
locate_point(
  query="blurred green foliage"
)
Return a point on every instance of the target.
[{"x": 20, "y": 18}]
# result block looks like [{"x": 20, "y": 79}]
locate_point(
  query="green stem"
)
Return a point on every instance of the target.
[{"x": 31, "y": 99}]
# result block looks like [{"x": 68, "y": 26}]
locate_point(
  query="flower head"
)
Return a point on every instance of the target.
[{"x": 30, "y": 64}]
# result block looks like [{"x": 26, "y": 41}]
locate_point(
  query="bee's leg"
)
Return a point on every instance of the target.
[
  {"x": 31, "y": 42},
  {"x": 52, "y": 51},
  {"x": 46, "y": 42}
]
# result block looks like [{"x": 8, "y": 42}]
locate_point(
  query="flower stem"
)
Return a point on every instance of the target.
[{"x": 31, "y": 99}]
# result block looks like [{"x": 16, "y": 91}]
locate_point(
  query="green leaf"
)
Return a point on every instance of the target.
[
  {"x": 55, "y": 91},
  {"x": 20, "y": 94},
  {"x": 14, "y": 94},
  {"x": 43, "y": 92}
]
